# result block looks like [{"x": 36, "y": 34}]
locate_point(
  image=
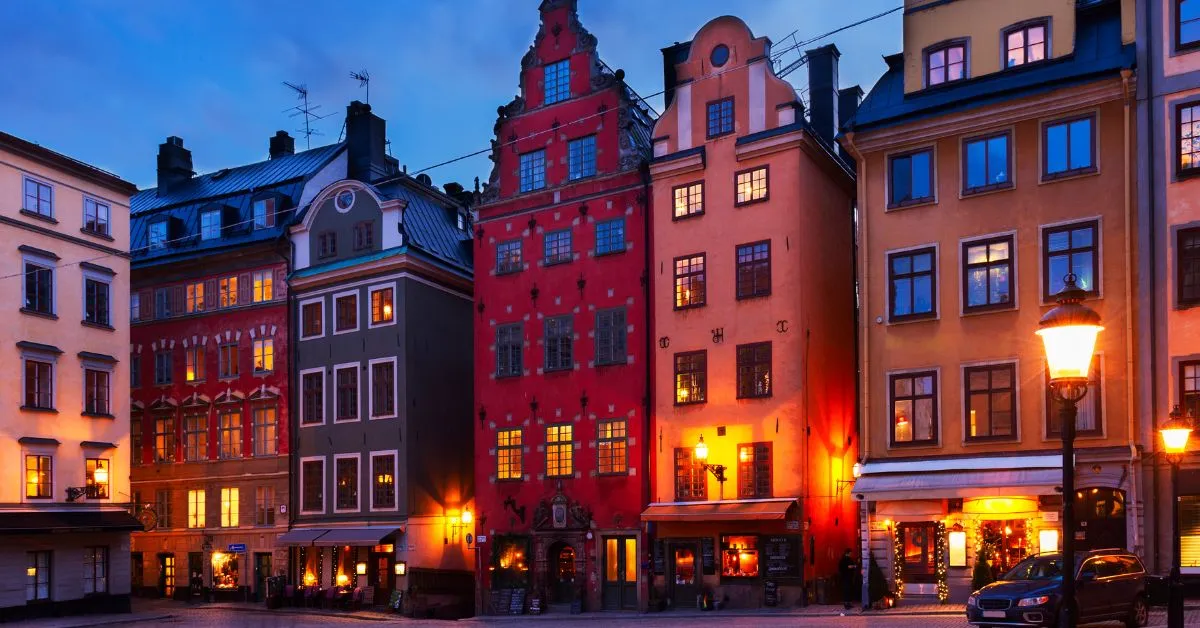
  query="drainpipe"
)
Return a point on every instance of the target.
[
  {"x": 648, "y": 397},
  {"x": 1127, "y": 98},
  {"x": 1151, "y": 246}
]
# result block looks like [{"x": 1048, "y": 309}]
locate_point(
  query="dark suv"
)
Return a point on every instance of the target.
[{"x": 1110, "y": 584}]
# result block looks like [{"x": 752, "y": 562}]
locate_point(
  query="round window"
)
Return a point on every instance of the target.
[
  {"x": 344, "y": 200},
  {"x": 719, "y": 56}
]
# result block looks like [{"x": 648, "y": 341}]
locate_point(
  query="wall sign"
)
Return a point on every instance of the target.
[
  {"x": 783, "y": 556},
  {"x": 708, "y": 555}
]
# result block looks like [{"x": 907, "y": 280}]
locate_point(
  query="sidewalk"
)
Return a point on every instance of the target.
[{"x": 809, "y": 611}]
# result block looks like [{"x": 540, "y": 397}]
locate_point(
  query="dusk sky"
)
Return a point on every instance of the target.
[{"x": 105, "y": 81}]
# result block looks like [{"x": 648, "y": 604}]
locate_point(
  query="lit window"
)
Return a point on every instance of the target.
[
  {"x": 196, "y": 515},
  {"x": 739, "y": 556},
  {"x": 991, "y": 401},
  {"x": 914, "y": 408},
  {"x": 689, "y": 281},
  {"x": 754, "y": 470},
  {"x": 751, "y": 186},
  {"x": 381, "y": 306},
  {"x": 509, "y": 448},
  {"x": 689, "y": 200},
  {"x": 229, "y": 507},
  {"x": 560, "y": 451},
  {"x": 195, "y": 297},
  {"x": 691, "y": 377},
  {"x": 229, "y": 434},
  {"x": 38, "y": 475},
  {"x": 581, "y": 157},
  {"x": 264, "y": 355},
  {"x": 346, "y": 473},
  {"x": 95, "y": 216},
  {"x": 266, "y": 431},
  {"x": 533, "y": 171},
  {"x": 690, "y": 480},
  {"x": 263, "y": 283},
  {"x": 1026, "y": 44},
  {"x": 612, "y": 447},
  {"x": 720, "y": 117},
  {"x": 987, "y": 268},
  {"x": 945, "y": 64},
  {"x": 383, "y": 478},
  {"x": 194, "y": 357},
  {"x": 164, "y": 439},
  {"x": 557, "y": 81},
  {"x": 210, "y": 225},
  {"x": 37, "y": 576},
  {"x": 1088, "y": 411},
  {"x": 228, "y": 289}
]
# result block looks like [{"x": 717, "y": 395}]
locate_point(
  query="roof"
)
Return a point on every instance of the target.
[
  {"x": 1098, "y": 52},
  {"x": 67, "y": 164}
]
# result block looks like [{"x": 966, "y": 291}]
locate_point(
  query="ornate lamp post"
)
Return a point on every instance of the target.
[
  {"x": 1175, "y": 434},
  {"x": 1069, "y": 333},
  {"x": 718, "y": 470}
]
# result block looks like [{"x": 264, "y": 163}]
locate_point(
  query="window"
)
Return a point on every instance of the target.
[
  {"x": 95, "y": 570},
  {"x": 1088, "y": 410},
  {"x": 690, "y": 483},
  {"x": 347, "y": 393},
  {"x": 162, "y": 508},
  {"x": 135, "y": 371},
  {"x": 691, "y": 377},
  {"x": 157, "y": 235},
  {"x": 95, "y": 216},
  {"x": 227, "y": 361},
  {"x": 610, "y": 236},
  {"x": 264, "y": 213},
  {"x": 264, "y": 355},
  {"x": 346, "y": 470},
  {"x": 557, "y": 81},
  {"x": 910, "y": 179},
  {"x": 509, "y": 450},
  {"x": 164, "y": 439},
  {"x": 96, "y": 392},
  {"x": 987, "y": 268},
  {"x": 39, "y": 198},
  {"x": 912, "y": 284},
  {"x": 196, "y": 506},
  {"x": 1189, "y": 387},
  {"x": 312, "y": 386},
  {"x": 313, "y": 484},
  {"x": 533, "y": 171},
  {"x": 229, "y": 434},
  {"x": 754, "y": 269},
  {"x": 313, "y": 315},
  {"x": 162, "y": 367},
  {"x": 612, "y": 447},
  {"x": 754, "y": 370},
  {"x": 560, "y": 451},
  {"x": 986, "y": 163},
  {"x": 1070, "y": 249},
  {"x": 720, "y": 118},
  {"x": 739, "y": 556},
  {"x": 266, "y": 431},
  {"x": 37, "y": 576},
  {"x": 945, "y": 63},
  {"x": 195, "y": 297},
  {"x": 689, "y": 281},
  {"x": 364, "y": 235},
  {"x": 39, "y": 384},
  {"x": 194, "y": 364},
  {"x": 611, "y": 334},
  {"x": 195, "y": 436},
  {"x": 227, "y": 287},
  {"x": 162, "y": 303},
  {"x": 914, "y": 408},
  {"x": 1189, "y": 131},
  {"x": 581, "y": 157},
  {"x": 383, "y": 487},
  {"x": 751, "y": 186},
  {"x": 264, "y": 506},
  {"x": 96, "y": 302},
  {"x": 383, "y": 388},
  {"x": 39, "y": 287},
  {"x": 38, "y": 476},
  {"x": 1188, "y": 266},
  {"x": 210, "y": 225},
  {"x": 508, "y": 257},
  {"x": 230, "y": 507},
  {"x": 754, "y": 470},
  {"x": 345, "y": 307},
  {"x": 326, "y": 244},
  {"x": 262, "y": 282},
  {"x": 689, "y": 200},
  {"x": 1025, "y": 44},
  {"x": 558, "y": 343},
  {"x": 1187, "y": 24},
  {"x": 1069, "y": 147},
  {"x": 381, "y": 306},
  {"x": 991, "y": 406},
  {"x": 557, "y": 245},
  {"x": 135, "y": 307},
  {"x": 509, "y": 342}
]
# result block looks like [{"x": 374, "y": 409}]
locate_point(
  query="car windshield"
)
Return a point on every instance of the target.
[{"x": 1036, "y": 568}]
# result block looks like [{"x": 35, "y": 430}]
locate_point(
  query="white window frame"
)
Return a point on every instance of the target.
[
  {"x": 395, "y": 455},
  {"x": 321, "y": 301},
  {"x": 358, "y": 480},
  {"x": 94, "y": 365},
  {"x": 395, "y": 388},
  {"x": 50, "y": 263},
  {"x": 34, "y": 210},
  {"x": 204, "y": 234},
  {"x": 107, "y": 232},
  {"x": 357, "y": 311},
  {"x": 150, "y": 229},
  {"x": 371, "y": 324},
  {"x": 324, "y": 483},
  {"x": 97, "y": 277},
  {"x": 324, "y": 398},
  {"x": 355, "y": 366},
  {"x": 40, "y": 450},
  {"x": 41, "y": 356}
]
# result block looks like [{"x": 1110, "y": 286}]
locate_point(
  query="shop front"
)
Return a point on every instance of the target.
[
  {"x": 337, "y": 563},
  {"x": 736, "y": 553}
]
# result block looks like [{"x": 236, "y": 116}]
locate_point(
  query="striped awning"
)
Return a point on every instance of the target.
[{"x": 732, "y": 510}]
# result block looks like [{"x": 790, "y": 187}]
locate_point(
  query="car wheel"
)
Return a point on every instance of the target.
[{"x": 1139, "y": 614}]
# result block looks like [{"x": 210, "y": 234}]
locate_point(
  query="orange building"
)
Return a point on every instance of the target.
[
  {"x": 753, "y": 310},
  {"x": 995, "y": 156}
]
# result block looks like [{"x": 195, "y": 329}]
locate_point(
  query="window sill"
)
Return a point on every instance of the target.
[
  {"x": 987, "y": 189},
  {"x": 96, "y": 234},
  {"x": 1187, "y": 305},
  {"x": 678, "y": 218},
  {"x": 915, "y": 444},
  {"x": 752, "y": 201},
  {"x": 558, "y": 261},
  {"x": 98, "y": 415},
  {"x": 1068, "y": 175},
  {"x": 32, "y": 214},
  {"x": 989, "y": 440},
  {"x": 989, "y": 309},
  {"x": 689, "y": 403},
  {"x": 558, "y": 369},
  {"x": 263, "y": 373},
  {"x": 606, "y": 363},
  {"x": 87, "y": 323},
  {"x": 752, "y": 297},
  {"x": 680, "y": 308},
  {"x": 509, "y": 376},
  {"x": 1186, "y": 173},
  {"x": 1051, "y": 437},
  {"x": 48, "y": 315},
  {"x": 38, "y": 409},
  {"x": 753, "y": 397},
  {"x": 920, "y": 202},
  {"x": 919, "y": 318},
  {"x": 508, "y": 271}
]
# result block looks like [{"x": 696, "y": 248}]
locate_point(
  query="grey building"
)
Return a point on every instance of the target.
[{"x": 381, "y": 295}]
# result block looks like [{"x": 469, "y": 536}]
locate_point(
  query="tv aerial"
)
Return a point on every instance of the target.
[{"x": 308, "y": 111}]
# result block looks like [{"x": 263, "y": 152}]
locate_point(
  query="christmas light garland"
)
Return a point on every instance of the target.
[
  {"x": 943, "y": 588},
  {"x": 898, "y": 561}
]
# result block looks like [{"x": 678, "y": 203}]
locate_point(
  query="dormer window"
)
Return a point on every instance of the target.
[
  {"x": 557, "y": 81},
  {"x": 158, "y": 235},
  {"x": 462, "y": 221},
  {"x": 264, "y": 213},
  {"x": 945, "y": 63},
  {"x": 1025, "y": 43},
  {"x": 210, "y": 224}
]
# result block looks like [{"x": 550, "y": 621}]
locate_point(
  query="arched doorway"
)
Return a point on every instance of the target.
[
  {"x": 1100, "y": 513},
  {"x": 561, "y": 565}
]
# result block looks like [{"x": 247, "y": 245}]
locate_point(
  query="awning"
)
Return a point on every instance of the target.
[
  {"x": 44, "y": 522},
  {"x": 756, "y": 510},
  {"x": 332, "y": 537},
  {"x": 932, "y": 485},
  {"x": 300, "y": 536}
]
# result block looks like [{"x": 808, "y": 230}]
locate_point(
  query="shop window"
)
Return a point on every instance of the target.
[
  {"x": 344, "y": 560},
  {"x": 224, "y": 570},
  {"x": 95, "y": 570},
  {"x": 1189, "y": 387},
  {"x": 37, "y": 576},
  {"x": 739, "y": 556},
  {"x": 1007, "y": 541},
  {"x": 1189, "y": 533},
  {"x": 510, "y": 566}
]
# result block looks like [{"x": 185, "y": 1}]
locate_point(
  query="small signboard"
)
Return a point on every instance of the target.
[
  {"x": 708, "y": 555},
  {"x": 237, "y": 548},
  {"x": 660, "y": 557},
  {"x": 481, "y": 539},
  {"x": 782, "y": 554}
]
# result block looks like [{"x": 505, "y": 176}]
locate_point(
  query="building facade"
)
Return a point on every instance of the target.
[
  {"x": 381, "y": 295},
  {"x": 561, "y": 333},
  {"x": 754, "y": 427},
  {"x": 210, "y": 354},
  {"x": 64, "y": 511},
  {"x": 995, "y": 157}
]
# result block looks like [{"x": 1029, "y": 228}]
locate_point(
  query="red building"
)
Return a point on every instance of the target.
[{"x": 561, "y": 333}]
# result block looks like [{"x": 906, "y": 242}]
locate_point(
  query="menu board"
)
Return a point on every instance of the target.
[
  {"x": 783, "y": 556},
  {"x": 660, "y": 557},
  {"x": 708, "y": 555}
]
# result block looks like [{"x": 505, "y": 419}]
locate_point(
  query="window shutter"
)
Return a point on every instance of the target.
[
  {"x": 210, "y": 294},
  {"x": 146, "y": 305},
  {"x": 618, "y": 334},
  {"x": 177, "y": 300},
  {"x": 245, "y": 289},
  {"x": 280, "y": 287}
]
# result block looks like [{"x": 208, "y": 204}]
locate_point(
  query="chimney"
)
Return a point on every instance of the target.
[
  {"x": 282, "y": 145},
  {"x": 823, "y": 90},
  {"x": 174, "y": 164},
  {"x": 366, "y": 143},
  {"x": 848, "y": 100}
]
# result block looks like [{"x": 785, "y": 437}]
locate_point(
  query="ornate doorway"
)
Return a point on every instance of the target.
[{"x": 561, "y": 565}]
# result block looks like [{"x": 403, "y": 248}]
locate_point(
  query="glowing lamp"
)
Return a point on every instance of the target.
[
  {"x": 343, "y": 579},
  {"x": 100, "y": 474},
  {"x": 31, "y": 571},
  {"x": 1175, "y": 434},
  {"x": 310, "y": 578},
  {"x": 401, "y": 568},
  {"x": 387, "y": 311},
  {"x": 1069, "y": 333},
  {"x": 857, "y": 470},
  {"x": 467, "y": 517},
  {"x": 701, "y": 450},
  {"x": 957, "y": 540},
  {"x": 1048, "y": 540},
  {"x": 360, "y": 569},
  {"x": 744, "y": 454}
]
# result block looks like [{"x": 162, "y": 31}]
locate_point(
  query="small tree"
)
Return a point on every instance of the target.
[
  {"x": 877, "y": 585},
  {"x": 981, "y": 576}
]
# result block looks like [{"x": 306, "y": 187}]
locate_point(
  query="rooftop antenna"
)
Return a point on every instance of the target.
[
  {"x": 306, "y": 110},
  {"x": 364, "y": 80}
]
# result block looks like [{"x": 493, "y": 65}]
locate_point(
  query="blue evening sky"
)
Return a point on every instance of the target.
[{"x": 105, "y": 81}]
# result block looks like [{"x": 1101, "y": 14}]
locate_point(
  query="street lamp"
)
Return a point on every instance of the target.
[
  {"x": 1175, "y": 434},
  {"x": 1069, "y": 333},
  {"x": 718, "y": 470}
]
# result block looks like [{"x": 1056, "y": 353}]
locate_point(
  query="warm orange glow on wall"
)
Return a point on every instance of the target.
[{"x": 999, "y": 505}]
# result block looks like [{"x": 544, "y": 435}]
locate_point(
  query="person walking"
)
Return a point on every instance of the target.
[{"x": 847, "y": 568}]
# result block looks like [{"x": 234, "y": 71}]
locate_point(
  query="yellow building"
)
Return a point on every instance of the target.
[{"x": 63, "y": 503}]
